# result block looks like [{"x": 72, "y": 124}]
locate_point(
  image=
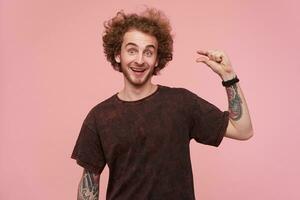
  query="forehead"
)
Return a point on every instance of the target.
[{"x": 139, "y": 38}]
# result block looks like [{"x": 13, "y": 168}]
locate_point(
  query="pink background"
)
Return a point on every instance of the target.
[{"x": 53, "y": 71}]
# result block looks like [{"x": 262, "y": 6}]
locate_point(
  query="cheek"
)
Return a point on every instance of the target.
[
  {"x": 151, "y": 61},
  {"x": 127, "y": 59}
]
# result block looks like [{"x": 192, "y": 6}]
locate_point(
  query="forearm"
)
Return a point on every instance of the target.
[
  {"x": 88, "y": 188},
  {"x": 238, "y": 110},
  {"x": 239, "y": 126}
]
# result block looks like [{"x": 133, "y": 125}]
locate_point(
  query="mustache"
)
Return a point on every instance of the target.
[{"x": 144, "y": 65}]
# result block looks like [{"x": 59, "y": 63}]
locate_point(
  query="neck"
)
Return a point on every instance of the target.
[{"x": 133, "y": 93}]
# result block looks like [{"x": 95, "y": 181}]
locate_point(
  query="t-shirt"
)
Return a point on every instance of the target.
[{"x": 145, "y": 143}]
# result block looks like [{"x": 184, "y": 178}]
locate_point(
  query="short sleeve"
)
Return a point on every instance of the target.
[
  {"x": 209, "y": 123},
  {"x": 88, "y": 151}
]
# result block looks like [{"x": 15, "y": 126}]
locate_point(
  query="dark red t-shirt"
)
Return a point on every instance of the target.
[{"x": 145, "y": 143}]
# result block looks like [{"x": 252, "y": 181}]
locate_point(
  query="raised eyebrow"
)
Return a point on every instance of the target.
[
  {"x": 150, "y": 46},
  {"x": 147, "y": 47},
  {"x": 130, "y": 43}
]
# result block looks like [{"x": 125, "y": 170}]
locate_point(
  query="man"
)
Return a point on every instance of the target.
[{"x": 143, "y": 132}]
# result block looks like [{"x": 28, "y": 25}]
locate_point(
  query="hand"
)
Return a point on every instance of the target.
[{"x": 218, "y": 61}]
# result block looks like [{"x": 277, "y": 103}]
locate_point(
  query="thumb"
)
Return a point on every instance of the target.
[
  {"x": 202, "y": 59},
  {"x": 210, "y": 63}
]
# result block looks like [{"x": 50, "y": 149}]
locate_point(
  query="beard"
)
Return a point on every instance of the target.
[{"x": 138, "y": 81}]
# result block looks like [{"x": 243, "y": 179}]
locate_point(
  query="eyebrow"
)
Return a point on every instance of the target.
[{"x": 133, "y": 44}]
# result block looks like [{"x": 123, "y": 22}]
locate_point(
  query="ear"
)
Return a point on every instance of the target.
[
  {"x": 156, "y": 63},
  {"x": 117, "y": 58}
]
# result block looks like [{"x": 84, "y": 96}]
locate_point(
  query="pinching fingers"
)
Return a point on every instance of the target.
[
  {"x": 203, "y": 52},
  {"x": 215, "y": 55}
]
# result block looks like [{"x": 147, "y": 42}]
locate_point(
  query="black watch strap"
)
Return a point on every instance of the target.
[{"x": 230, "y": 82}]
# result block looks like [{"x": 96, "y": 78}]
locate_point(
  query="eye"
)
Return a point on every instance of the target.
[
  {"x": 148, "y": 53},
  {"x": 131, "y": 51}
]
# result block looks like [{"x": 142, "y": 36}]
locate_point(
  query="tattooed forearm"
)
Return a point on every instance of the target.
[
  {"x": 88, "y": 188},
  {"x": 234, "y": 100}
]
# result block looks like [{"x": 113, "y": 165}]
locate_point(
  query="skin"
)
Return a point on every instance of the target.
[
  {"x": 88, "y": 188},
  {"x": 240, "y": 126},
  {"x": 138, "y": 51}
]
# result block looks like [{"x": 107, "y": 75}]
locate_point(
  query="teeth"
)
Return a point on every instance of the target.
[{"x": 137, "y": 70}]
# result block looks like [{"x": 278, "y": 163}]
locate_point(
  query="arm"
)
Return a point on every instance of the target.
[
  {"x": 88, "y": 188},
  {"x": 239, "y": 126}
]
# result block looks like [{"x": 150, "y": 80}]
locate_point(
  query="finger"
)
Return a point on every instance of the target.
[
  {"x": 210, "y": 54},
  {"x": 218, "y": 59},
  {"x": 203, "y": 52},
  {"x": 202, "y": 59},
  {"x": 212, "y": 64},
  {"x": 216, "y": 56}
]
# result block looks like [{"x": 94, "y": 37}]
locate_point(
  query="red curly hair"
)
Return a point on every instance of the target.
[{"x": 151, "y": 21}]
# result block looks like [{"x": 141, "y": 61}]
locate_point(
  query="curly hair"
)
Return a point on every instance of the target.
[{"x": 151, "y": 21}]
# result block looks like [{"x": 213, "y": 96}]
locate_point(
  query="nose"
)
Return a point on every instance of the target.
[{"x": 139, "y": 59}]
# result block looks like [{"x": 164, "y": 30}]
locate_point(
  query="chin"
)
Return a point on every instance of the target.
[{"x": 138, "y": 81}]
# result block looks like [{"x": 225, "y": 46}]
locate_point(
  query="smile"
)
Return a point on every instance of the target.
[{"x": 138, "y": 69}]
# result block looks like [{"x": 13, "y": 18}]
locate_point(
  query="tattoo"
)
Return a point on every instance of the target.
[
  {"x": 235, "y": 101},
  {"x": 89, "y": 186}
]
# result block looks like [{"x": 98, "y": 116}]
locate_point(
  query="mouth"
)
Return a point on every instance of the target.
[{"x": 138, "y": 70}]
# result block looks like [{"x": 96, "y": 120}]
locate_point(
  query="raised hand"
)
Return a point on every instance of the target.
[{"x": 218, "y": 61}]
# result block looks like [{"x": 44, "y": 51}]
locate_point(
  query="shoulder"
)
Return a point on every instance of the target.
[
  {"x": 184, "y": 94},
  {"x": 176, "y": 90},
  {"x": 109, "y": 102},
  {"x": 180, "y": 96},
  {"x": 187, "y": 97},
  {"x": 101, "y": 108}
]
